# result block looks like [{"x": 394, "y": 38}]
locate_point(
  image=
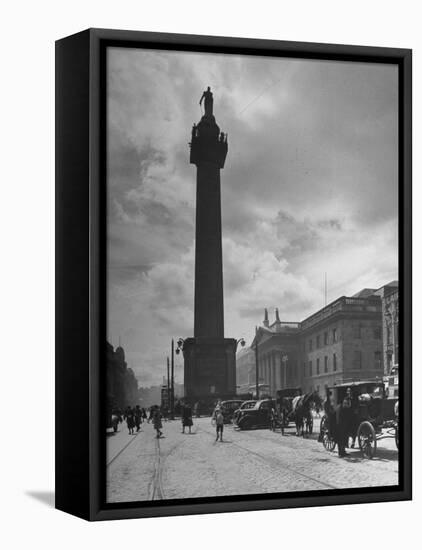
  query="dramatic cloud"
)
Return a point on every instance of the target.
[{"x": 309, "y": 187}]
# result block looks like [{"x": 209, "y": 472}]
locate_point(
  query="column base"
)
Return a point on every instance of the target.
[{"x": 210, "y": 368}]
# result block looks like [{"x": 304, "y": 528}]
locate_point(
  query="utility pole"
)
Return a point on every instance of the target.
[
  {"x": 168, "y": 384},
  {"x": 172, "y": 380},
  {"x": 325, "y": 287},
  {"x": 256, "y": 364}
]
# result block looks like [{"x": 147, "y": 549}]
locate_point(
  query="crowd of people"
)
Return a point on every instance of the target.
[{"x": 135, "y": 416}]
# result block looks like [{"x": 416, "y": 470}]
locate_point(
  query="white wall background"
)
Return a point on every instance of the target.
[{"x": 29, "y": 30}]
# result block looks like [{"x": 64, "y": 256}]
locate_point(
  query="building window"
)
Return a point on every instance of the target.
[
  {"x": 334, "y": 335},
  {"x": 310, "y": 345},
  {"x": 377, "y": 359},
  {"x": 325, "y": 338},
  {"x": 317, "y": 366},
  {"x": 326, "y": 364},
  {"x": 356, "y": 331},
  {"x": 310, "y": 368},
  {"x": 357, "y": 359},
  {"x": 318, "y": 343},
  {"x": 334, "y": 362},
  {"x": 389, "y": 339},
  {"x": 377, "y": 333}
]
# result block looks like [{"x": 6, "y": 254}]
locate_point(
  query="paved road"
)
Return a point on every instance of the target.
[{"x": 141, "y": 467}]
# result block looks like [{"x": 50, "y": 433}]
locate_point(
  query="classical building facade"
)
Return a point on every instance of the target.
[{"x": 353, "y": 338}]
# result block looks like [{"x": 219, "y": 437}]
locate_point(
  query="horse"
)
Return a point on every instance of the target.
[{"x": 302, "y": 411}]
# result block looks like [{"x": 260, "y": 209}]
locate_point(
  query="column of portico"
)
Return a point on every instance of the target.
[
  {"x": 277, "y": 367},
  {"x": 273, "y": 376}
]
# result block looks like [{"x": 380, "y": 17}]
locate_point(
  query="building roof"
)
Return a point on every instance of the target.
[{"x": 364, "y": 293}]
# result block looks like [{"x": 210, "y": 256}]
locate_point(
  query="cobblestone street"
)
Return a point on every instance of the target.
[{"x": 141, "y": 467}]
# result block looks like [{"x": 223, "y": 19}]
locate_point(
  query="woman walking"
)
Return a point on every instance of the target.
[
  {"x": 187, "y": 418},
  {"x": 156, "y": 420},
  {"x": 130, "y": 420}
]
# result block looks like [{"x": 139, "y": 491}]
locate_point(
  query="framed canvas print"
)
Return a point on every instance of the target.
[{"x": 233, "y": 274}]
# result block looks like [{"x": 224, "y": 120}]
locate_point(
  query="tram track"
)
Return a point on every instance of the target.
[
  {"x": 122, "y": 449},
  {"x": 276, "y": 462},
  {"x": 156, "y": 489}
]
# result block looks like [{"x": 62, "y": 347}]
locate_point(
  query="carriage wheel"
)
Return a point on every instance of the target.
[
  {"x": 367, "y": 439},
  {"x": 325, "y": 437}
]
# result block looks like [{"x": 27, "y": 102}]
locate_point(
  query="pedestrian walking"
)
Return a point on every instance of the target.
[
  {"x": 273, "y": 417},
  {"x": 342, "y": 428},
  {"x": 187, "y": 421},
  {"x": 157, "y": 423},
  {"x": 138, "y": 417},
  {"x": 130, "y": 419},
  {"x": 219, "y": 423}
]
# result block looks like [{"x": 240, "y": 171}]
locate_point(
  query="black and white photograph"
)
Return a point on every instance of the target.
[{"x": 252, "y": 215}]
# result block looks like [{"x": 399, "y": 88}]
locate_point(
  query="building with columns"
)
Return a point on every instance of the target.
[
  {"x": 278, "y": 353},
  {"x": 352, "y": 338}
]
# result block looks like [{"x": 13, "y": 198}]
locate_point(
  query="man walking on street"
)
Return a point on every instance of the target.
[
  {"x": 219, "y": 424},
  {"x": 343, "y": 418}
]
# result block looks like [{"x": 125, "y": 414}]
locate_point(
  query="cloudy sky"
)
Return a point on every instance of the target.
[{"x": 309, "y": 186}]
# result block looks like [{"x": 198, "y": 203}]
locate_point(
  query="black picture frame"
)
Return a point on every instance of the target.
[{"x": 81, "y": 274}]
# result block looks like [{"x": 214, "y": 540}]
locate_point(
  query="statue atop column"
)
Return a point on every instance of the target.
[
  {"x": 208, "y": 101},
  {"x": 208, "y": 144}
]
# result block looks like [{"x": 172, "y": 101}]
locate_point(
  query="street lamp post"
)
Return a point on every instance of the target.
[
  {"x": 256, "y": 364},
  {"x": 241, "y": 341},
  {"x": 172, "y": 381},
  {"x": 168, "y": 385}
]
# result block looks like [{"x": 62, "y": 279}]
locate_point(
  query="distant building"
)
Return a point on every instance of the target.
[
  {"x": 353, "y": 338},
  {"x": 122, "y": 385},
  {"x": 390, "y": 314},
  {"x": 245, "y": 370}
]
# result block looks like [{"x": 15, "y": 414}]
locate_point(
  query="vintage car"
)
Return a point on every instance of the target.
[
  {"x": 250, "y": 404},
  {"x": 228, "y": 409},
  {"x": 259, "y": 416}
]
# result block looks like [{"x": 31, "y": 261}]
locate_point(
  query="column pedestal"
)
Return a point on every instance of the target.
[{"x": 210, "y": 368}]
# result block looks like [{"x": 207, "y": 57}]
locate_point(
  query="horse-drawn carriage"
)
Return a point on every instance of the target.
[
  {"x": 284, "y": 403},
  {"x": 373, "y": 416},
  {"x": 293, "y": 406}
]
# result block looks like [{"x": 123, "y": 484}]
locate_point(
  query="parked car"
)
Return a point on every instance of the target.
[
  {"x": 256, "y": 417},
  {"x": 244, "y": 406},
  {"x": 228, "y": 408}
]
